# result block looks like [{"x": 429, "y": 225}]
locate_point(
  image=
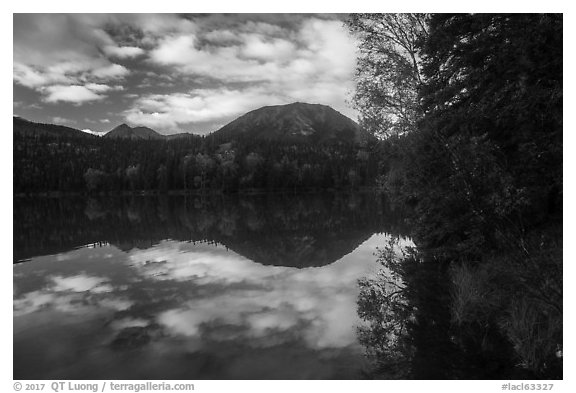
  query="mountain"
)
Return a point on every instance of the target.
[
  {"x": 293, "y": 123},
  {"x": 28, "y": 128},
  {"x": 127, "y": 132},
  {"x": 180, "y": 135}
]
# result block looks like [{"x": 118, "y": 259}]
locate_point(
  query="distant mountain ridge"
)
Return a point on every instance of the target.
[
  {"x": 296, "y": 122},
  {"x": 124, "y": 131},
  {"x": 28, "y": 128}
]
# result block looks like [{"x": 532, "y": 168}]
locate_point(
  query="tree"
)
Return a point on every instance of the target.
[
  {"x": 186, "y": 163},
  {"x": 492, "y": 127},
  {"x": 389, "y": 70},
  {"x": 162, "y": 177},
  {"x": 482, "y": 171},
  {"x": 95, "y": 179},
  {"x": 206, "y": 164},
  {"x": 133, "y": 175}
]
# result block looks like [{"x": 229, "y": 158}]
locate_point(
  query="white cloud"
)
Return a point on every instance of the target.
[
  {"x": 277, "y": 50},
  {"x": 32, "y": 78},
  {"x": 323, "y": 46},
  {"x": 156, "y": 24},
  {"x": 112, "y": 71},
  {"x": 75, "y": 94},
  {"x": 101, "y": 88},
  {"x": 224, "y": 63},
  {"x": 221, "y": 37},
  {"x": 60, "y": 56},
  {"x": 62, "y": 120},
  {"x": 123, "y": 52}
]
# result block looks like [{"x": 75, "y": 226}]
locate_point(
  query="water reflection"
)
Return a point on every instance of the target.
[
  {"x": 430, "y": 320},
  {"x": 141, "y": 307},
  {"x": 284, "y": 230},
  {"x": 207, "y": 312}
]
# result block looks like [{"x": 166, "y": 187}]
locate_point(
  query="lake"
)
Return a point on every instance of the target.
[{"x": 191, "y": 287}]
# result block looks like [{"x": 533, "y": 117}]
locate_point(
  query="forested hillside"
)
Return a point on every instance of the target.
[{"x": 45, "y": 162}]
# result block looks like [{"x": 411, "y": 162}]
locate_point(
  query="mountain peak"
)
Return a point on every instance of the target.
[
  {"x": 296, "y": 122},
  {"x": 124, "y": 131}
]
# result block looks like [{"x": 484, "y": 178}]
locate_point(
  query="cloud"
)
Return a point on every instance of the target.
[
  {"x": 123, "y": 52},
  {"x": 257, "y": 47},
  {"x": 154, "y": 25},
  {"x": 32, "y": 78},
  {"x": 77, "y": 94},
  {"x": 74, "y": 94},
  {"x": 224, "y": 63},
  {"x": 43, "y": 40},
  {"x": 61, "y": 56},
  {"x": 101, "y": 88},
  {"x": 63, "y": 120},
  {"x": 25, "y": 105},
  {"x": 323, "y": 45},
  {"x": 112, "y": 71}
]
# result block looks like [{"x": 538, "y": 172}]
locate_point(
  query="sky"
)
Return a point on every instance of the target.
[{"x": 176, "y": 73}]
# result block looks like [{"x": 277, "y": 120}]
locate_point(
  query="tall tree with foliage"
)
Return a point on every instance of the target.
[
  {"x": 389, "y": 70},
  {"x": 488, "y": 160}
]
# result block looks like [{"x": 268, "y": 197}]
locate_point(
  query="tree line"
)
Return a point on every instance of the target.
[{"x": 44, "y": 163}]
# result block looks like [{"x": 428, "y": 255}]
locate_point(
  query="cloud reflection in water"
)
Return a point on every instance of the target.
[
  {"x": 213, "y": 312},
  {"x": 317, "y": 304}
]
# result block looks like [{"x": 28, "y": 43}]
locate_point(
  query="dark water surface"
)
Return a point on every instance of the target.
[{"x": 252, "y": 287}]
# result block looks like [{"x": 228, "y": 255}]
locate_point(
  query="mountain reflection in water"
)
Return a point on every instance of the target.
[
  {"x": 248, "y": 288},
  {"x": 286, "y": 230}
]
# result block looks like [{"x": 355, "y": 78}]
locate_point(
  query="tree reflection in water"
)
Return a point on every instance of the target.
[
  {"x": 383, "y": 305},
  {"x": 286, "y": 230},
  {"x": 433, "y": 320}
]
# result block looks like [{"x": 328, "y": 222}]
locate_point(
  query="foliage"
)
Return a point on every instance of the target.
[
  {"x": 45, "y": 163},
  {"x": 481, "y": 167},
  {"x": 472, "y": 297},
  {"x": 485, "y": 163},
  {"x": 389, "y": 71},
  {"x": 387, "y": 313}
]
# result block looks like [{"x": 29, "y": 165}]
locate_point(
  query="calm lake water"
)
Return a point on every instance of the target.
[{"x": 252, "y": 287}]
